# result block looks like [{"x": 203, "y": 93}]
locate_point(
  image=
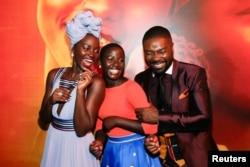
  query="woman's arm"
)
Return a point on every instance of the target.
[
  {"x": 87, "y": 108},
  {"x": 45, "y": 112}
]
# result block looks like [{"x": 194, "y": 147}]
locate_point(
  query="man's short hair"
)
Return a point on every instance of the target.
[{"x": 156, "y": 31}]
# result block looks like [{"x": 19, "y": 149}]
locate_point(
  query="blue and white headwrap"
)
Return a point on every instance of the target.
[{"x": 82, "y": 24}]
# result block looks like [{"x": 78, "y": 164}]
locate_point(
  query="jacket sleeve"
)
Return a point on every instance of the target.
[{"x": 195, "y": 113}]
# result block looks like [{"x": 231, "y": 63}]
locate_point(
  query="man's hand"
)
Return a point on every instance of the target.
[
  {"x": 152, "y": 144},
  {"x": 147, "y": 115}
]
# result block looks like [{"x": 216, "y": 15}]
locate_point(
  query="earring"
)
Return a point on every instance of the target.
[{"x": 99, "y": 64}]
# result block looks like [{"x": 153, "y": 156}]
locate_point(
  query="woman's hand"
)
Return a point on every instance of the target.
[
  {"x": 96, "y": 148},
  {"x": 85, "y": 79},
  {"x": 60, "y": 95}
]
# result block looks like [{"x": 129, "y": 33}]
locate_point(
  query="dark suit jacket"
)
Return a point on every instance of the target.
[{"x": 191, "y": 115}]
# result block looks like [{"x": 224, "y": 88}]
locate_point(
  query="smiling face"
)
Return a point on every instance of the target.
[
  {"x": 113, "y": 62},
  {"x": 86, "y": 52},
  {"x": 158, "y": 53}
]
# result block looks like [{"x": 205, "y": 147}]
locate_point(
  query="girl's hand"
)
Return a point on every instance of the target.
[{"x": 152, "y": 144}]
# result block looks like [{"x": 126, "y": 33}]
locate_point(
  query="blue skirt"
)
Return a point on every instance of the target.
[{"x": 127, "y": 151}]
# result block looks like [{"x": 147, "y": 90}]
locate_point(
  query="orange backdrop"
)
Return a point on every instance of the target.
[{"x": 211, "y": 33}]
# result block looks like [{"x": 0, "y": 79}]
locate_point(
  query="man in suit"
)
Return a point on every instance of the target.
[{"x": 183, "y": 102}]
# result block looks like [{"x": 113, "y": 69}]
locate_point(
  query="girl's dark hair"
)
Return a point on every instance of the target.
[{"x": 107, "y": 47}]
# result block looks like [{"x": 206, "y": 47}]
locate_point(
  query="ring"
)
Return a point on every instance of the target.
[
  {"x": 59, "y": 94},
  {"x": 139, "y": 118}
]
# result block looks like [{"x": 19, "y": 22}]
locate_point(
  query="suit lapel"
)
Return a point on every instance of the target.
[{"x": 175, "y": 90}]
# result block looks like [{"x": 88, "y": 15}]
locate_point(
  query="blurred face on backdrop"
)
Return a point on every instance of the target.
[
  {"x": 126, "y": 21},
  {"x": 228, "y": 45}
]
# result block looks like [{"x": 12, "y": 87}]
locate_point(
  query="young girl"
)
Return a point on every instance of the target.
[{"x": 125, "y": 143}]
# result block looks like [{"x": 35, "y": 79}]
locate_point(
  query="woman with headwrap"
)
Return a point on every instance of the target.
[{"x": 73, "y": 97}]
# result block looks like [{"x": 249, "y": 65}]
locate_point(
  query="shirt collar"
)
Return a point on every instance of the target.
[{"x": 170, "y": 69}]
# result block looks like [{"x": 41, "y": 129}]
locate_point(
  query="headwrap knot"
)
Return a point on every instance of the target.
[{"x": 82, "y": 24}]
